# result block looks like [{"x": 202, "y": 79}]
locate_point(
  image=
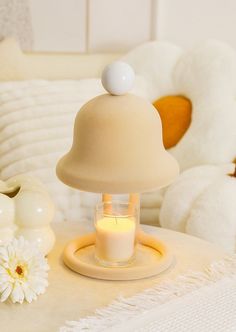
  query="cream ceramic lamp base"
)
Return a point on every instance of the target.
[
  {"x": 152, "y": 258},
  {"x": 129, "y": 157}
]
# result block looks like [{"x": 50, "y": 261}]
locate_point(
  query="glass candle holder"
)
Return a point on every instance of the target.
[{"x": 116, "y": 227}]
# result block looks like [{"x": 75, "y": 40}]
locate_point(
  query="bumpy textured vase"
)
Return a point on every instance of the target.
[{"x": 26, "y": 209}]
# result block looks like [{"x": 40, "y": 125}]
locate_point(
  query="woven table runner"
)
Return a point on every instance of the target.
[{"x": 193, "y": 302}]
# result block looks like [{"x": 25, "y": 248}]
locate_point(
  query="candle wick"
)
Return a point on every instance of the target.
[{"x": 116, "y": 220}]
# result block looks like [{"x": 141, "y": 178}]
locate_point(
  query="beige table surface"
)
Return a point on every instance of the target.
[{"x": 71, "y": 296}]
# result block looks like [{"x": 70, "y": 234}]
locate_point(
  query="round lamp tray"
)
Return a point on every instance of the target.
[{"x": 152, "y": 258}]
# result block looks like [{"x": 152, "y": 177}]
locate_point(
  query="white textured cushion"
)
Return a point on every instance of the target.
[{"x": 36, "y": 129}]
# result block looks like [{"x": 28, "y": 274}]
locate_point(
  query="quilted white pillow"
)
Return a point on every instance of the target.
[{"x": 36, "y": 128}]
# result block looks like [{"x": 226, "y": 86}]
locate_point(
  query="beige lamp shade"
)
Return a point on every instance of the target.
[{"x": 117, "y": 148}]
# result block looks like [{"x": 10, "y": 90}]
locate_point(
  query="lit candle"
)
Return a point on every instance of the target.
[{"x": 115, "y": 238}]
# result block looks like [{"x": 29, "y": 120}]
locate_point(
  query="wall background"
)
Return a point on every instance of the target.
[
  {"x": 115, "y": 25},
  {"x": 91, "y": 25}
]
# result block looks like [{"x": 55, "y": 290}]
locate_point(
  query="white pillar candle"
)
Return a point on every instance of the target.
[{"x": 115, "y": 238}]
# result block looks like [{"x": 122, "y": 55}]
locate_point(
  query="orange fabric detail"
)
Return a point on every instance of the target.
[{"x": 175, "y": 113}]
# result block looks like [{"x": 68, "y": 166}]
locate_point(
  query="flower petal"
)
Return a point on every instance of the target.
[
  {"x": 17, "y": 294},
  {"x": 210, "y": 66},
  {"x": 5, "y": 294},
  {"x": 30, "y": 294}
]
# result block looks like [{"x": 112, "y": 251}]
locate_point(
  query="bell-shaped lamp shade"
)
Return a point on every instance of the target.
[{"x": 117, "y": 145}]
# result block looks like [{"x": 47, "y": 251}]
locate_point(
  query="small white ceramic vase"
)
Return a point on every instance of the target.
[
  {"x": 25, "y": 203},
  {"x": 7, "y": 216}
]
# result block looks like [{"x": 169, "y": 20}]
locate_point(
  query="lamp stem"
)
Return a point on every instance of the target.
[
  {"x": 134, "y": 199},
  {"x": 107, "y": 198}
]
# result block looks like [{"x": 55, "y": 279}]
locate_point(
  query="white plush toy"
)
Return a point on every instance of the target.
[
  {"x": 202, "y": 202},
  {"x": 206, "y": 77}
]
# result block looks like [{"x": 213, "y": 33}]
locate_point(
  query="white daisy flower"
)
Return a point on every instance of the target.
[{"x": 23, "y": 271}]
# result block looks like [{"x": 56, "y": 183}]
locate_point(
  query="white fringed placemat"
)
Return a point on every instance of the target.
[{"x": 195, "y": 301}]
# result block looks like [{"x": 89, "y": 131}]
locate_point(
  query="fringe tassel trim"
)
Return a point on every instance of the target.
[{"x": 124, "y": 309}]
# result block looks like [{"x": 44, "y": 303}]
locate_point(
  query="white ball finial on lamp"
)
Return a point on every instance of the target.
[{"x": 118, "y": 78}]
